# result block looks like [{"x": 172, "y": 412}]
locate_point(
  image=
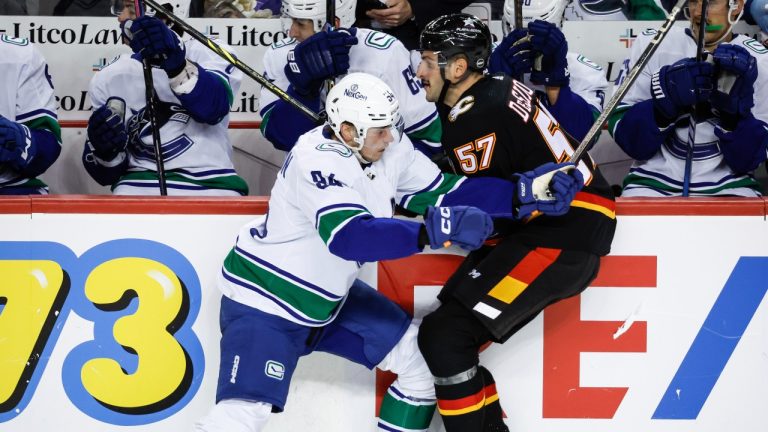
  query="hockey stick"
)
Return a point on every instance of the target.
[
  {"x": 632, "y": 75},
  {"x": 692, "y": 118},
  {"x": 519, "y": 25},
  {"x": 330, "y": 25},
  {"x": 234, "y": 61},
  {"x": 149, "y": 93}
]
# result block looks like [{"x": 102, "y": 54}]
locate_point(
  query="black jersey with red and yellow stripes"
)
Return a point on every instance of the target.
[{"x": 497, "y": 128}]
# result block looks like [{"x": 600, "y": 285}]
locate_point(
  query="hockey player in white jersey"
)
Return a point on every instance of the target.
[
  {"x": 614, "y": 10},
  {"x": 290, "y": 285},
  {"x": 30, "y": 136},
  {"x": 194, "y": 89},
  {"x": 303, "y": 62},
  {"x": 651, "y": 124},
  {"x": 571, "y": 86}
]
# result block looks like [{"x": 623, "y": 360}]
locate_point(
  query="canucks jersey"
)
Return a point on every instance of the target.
[
  {"x": 498, "y": 128},
  {"x": 197, "y": 156},
  {"x": 282, "y": 263},
  {"x": 614, "y": 10},
  {"x": 587, "y": 79},
  {"x": 28, "y": 98},
  {"x": 382, "y": 56},
  {"x": 662, "y": 174}
]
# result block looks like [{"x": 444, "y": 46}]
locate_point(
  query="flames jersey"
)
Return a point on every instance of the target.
[{"x": 497, "y": 128}]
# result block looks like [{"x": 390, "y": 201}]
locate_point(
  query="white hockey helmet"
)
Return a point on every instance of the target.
[
  {"x": 551, "y": 11},
  {"x": 365, "y": 102},
  {"x": 315, "y": 10}
]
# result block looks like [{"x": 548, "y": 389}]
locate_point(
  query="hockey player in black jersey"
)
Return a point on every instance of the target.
[{"x": 494, "y": 126}]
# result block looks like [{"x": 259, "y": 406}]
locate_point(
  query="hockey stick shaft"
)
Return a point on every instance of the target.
[
  {"x": 234, "y": 61},
  {"x": 518, "y": 25},
  {"x": 632, "y": 75},
  {"x": 692, "y": 120},
  {"x": 149, "y": 93}
]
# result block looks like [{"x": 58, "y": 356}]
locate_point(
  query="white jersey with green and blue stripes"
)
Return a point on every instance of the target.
[{"x": 281, "y": 262}]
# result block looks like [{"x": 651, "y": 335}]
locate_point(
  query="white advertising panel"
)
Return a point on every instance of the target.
[{"x": 109, "y": 322}]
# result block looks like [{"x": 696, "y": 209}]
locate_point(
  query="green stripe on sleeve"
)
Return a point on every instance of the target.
[
  {"x": 433, "y": 132},
  {"x": 616, "y": 116},
  {"x": 329, "y": 222},
  {"x": 418, "y": 203},
  {"x": 47, "y": 123}
]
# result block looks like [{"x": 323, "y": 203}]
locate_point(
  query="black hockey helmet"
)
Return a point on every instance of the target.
[{"x": 459, "y": 33}]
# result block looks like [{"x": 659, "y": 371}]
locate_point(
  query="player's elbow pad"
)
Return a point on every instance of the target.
[
  {"x": 284, "y": 124},
  {"x": 573, "y": 113},
  {"x": 637, "y": 133},
  {"x": 48, "y": 150},
  {"x": 745, "y": 148}
]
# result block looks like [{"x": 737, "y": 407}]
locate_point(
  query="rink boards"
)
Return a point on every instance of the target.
[{"x": 108, "y": 321}]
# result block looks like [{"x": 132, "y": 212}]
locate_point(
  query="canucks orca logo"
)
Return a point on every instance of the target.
[{"x": 171, "y": 120}]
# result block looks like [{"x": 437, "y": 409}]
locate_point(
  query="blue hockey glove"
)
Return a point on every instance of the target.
[
  {"x": 736, "y": 73},
  {"x": 321, "y": 56},
  {"x": 549, "y": 189},
  {"x": 152, "y": 39},
  {"x": 681, "y": 85},
  {"x": 466, "y": 227},
  {"x": 549, "y": 41},
  {"x": 513, "y": 56},
  {"x": 16, "y": 147},
  {"x": 106, "y": 132}
]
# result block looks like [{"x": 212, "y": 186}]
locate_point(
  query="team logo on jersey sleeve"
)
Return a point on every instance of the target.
[{"x": 462, "y": 106}]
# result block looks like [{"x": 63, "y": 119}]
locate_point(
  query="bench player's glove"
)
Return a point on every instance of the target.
[
  {"x": 321, "y": 56},
  {"x": 16, "y": 149},
  {"x": 466, "y": 227},
  {"x": 679, "y": 86},
  {"x": 548, "y": 189},
  {"x": 106, "y": 132},
  {"x": 513, "y": 56},
  {"x": 152, "y": 39},
  {"x": 736, "y": 73},
  {"x": 549, "y": 41}
]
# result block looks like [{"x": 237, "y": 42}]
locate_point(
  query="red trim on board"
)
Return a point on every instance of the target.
[
  {"x": 111, "y": 204},
  {"x": 698, "y": 206},
  {"x": 147, "y": 205},
  {"x": 232, "y": 124},
  {"x": 15, "y": 205}
]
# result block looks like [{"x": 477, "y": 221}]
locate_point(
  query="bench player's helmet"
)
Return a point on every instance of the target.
[{"x": 314, "y": 10}]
